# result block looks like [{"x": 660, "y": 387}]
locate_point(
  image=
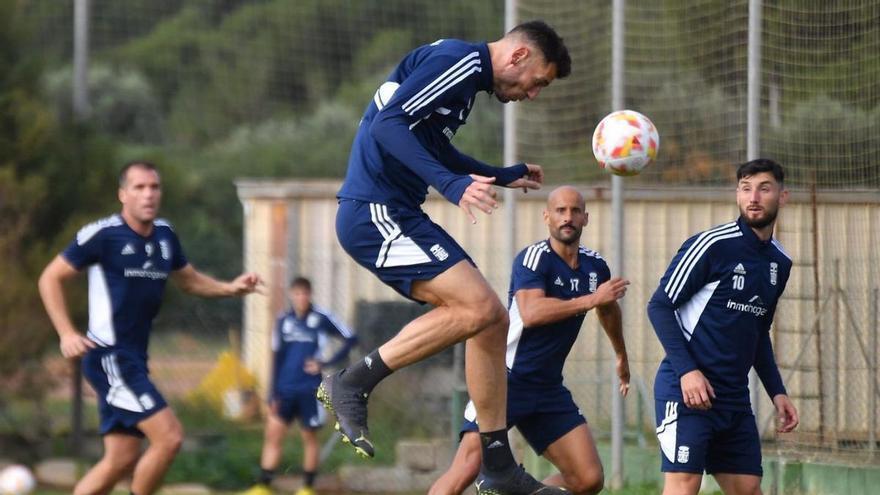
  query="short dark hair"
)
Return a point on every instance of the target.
[
  {"x": 759, "y": 165},
  {"x": 551, "y": 44},
  {"x": 301, "y": 283},
  {"x": 123, "y": 172}
]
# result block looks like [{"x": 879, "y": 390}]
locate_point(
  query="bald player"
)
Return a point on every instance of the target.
[{"x": 554, "y": 283}]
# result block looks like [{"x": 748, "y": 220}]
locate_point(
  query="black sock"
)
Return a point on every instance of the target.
[
  {"x": 309, "y": 478},
  {"x": 496, "y": 451},
  {"x": 266, "y": 476},
  {"x": 366, "y": 373}
]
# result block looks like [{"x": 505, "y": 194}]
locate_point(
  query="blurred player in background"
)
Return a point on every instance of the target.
[
  {"x": 129, "y": 257},
  {"x": 712, "y": 313},
  {"x": 554, "y": 283},
  {"x": 299, "y": 343},
  {"x": 403, "y": 146}
]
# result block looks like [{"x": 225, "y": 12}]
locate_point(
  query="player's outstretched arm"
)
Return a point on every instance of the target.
[
  {"x": 536, "y": 308},
  {"x": 51, "y": 285},
  {"x": 612, "y": 322},
  {"x": 524, "y": 175},
  {"x": 197, "y": 283},
  {"x": 533, "y": 179}
]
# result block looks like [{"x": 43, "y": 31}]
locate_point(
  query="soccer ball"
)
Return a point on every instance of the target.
[
  {"x": 625, "y": 142},
  {"x": 16, "y": 480}
]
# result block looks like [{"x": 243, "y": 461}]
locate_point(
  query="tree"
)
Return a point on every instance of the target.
[{"x": 49, "y": 175}]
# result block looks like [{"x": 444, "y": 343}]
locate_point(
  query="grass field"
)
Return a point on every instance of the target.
[{"x": 223, "y": 454}]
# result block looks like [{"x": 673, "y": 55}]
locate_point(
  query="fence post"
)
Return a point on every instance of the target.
[
  {"x": 753, "y": 129},
  {"x": 872, "y": 429},
  {"x": 80, "y": 113},
  {"x": 617, "y": 229}
]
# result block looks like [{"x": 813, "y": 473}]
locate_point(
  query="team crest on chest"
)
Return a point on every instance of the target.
[
  {"x": 774, "y": 272},
  {"x": 287, "y": 327},
  {"x": 313, "y": 320},
  {"x": 594, "y": 281}
]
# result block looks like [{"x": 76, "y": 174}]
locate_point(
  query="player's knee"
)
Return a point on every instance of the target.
[
  {"x": 122, "y": 462},
  {"x": 587, "y": 483},
  {"x": 755, "y": 489},
  {"x": 175, "y": 440},
  {"x": 171, "y": 440},
  {"x": 490, "y": 316}
]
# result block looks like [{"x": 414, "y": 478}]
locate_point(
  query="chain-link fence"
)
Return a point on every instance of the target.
[{"x": 686, "y": 65}]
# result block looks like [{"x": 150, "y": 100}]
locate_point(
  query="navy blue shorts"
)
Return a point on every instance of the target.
[
  {"x": 303, "y": 405},
  {"x": 126, "y": 396},
  {"x": 398, "y": 245},
  {"x": 542, "y": 416},
  {"x": 714, "y": 441}
]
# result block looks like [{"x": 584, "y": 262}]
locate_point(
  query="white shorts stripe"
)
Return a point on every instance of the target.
[
  {"x": 119, "y": 394},
  {"x": 667, "y": 431},
  {"x": 379, "y": 222},
  {"x": 397, "y": 249}
]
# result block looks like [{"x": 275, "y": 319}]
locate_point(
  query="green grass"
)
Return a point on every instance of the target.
[{"x": 225, "y": 454}]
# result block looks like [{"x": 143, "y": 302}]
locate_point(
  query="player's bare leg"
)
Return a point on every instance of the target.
[
  {"x": 458, "y": 315},
  {"x": 475, "y": 314},
  {"x": 464, "y": 469},
  {"x": 165, "y": 434},
  {"x": 121, "y": 452},
  {"x": 270, "y": 458},
  {"x": 273, "y": 441},
  {"x": 681, "y": 483},
  {"x": 739, "y": 484},
  {"x": 576, "y": 457},
  {"x": 311, "y": 455}
]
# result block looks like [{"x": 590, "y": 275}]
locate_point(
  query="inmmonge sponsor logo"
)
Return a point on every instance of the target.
[
  {"x": 755, "y": 309},
  {"x": 141, "y": 273}
]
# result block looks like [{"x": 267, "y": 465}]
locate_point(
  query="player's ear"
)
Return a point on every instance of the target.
[
  {"x": 783, "y": 196},
  {"x": 519, "y": 55}
]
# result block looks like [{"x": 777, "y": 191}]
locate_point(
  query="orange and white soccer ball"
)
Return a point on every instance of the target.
[
  {"x": 16, "y": 480},
  {"x": 625, "y": 142}
]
